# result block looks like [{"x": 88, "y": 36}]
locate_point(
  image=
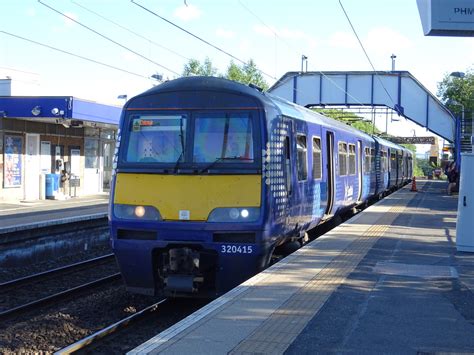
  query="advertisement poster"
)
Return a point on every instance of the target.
[{"x": 12, "y": 165}]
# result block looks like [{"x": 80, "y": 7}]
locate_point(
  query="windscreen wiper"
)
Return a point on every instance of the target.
[
  {"x": 220, "y": 159},
  {"x": 181, "y": 136}
]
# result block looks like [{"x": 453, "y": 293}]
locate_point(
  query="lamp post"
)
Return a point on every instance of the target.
[
  {"x": 303, "y": 59},
  {"x": 457, "y": 143},
  {"x": 461, "y": 75},
  {"x": 393, "y": 56}
]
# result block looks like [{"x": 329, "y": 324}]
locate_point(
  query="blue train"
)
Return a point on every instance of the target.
[{"x": 210, "y": 176}]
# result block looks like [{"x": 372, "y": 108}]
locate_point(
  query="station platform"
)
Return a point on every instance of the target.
[
  {"x": 21, "y": 215},
  {"x": 389, "y": 280}
]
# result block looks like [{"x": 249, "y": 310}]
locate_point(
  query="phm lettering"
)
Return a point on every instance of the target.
[{"x": 464, "y": 11}]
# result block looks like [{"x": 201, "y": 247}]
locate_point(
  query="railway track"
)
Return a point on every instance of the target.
[
  {"x": 95, "y": 339},
  {"x": 18, "y": 296}
]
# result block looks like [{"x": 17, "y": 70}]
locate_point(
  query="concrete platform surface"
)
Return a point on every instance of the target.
[
  {"x": 389, "y": 280},
  {"x": 22, "y": 215}
]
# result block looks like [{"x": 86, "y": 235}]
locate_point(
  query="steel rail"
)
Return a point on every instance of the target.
[
  {"x": 47, "y": 273},
  {"x": 58, "y": 296},
  {"x": 81, "y": 344}
]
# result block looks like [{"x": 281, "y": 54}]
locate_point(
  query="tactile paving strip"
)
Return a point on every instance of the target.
[{"x": 284, "y": 325}]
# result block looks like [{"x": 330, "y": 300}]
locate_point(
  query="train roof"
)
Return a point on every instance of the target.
[
  {"x": 265, "y": 99},
  {"x": 193, "y": 83}
]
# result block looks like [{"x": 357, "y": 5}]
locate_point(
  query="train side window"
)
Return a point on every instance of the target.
[
  {"x": 288, "y": 165},
  {"x": 372, "y": 159},
  {"x": 301, "y": 157},
  {"x": 382, "y": 160},
  {"x": 367, "y": 160},
  {"x": 393, "y": 162},
  {"x": 352, "y": 159},
  {"x": 317, "y": 170},
  {"x": 342, "y": 155}
]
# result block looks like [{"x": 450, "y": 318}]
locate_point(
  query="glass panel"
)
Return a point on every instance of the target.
[
  {"x": 301, "y": 161},
  {"x": 317, "y": 158},
  {"x": 157, "y": 139},
  {"x": 91, "y": 153},
  {"x": 223, "y": 138},
  {"x": 367, "y": 160},
  {"x": 342, "y": 159},
  {"x": 352, "y": 160}
]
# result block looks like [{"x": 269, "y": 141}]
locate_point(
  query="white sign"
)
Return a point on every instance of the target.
[
  {"x": 45, "y": 151},
  {"x": 75, "y": 161}
]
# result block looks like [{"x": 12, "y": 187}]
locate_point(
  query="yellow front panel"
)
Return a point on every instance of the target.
[{"x": 199, "y": 194}]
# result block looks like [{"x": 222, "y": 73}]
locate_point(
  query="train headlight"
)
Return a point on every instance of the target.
[
  {"x": 223, "y": 214},
  {"x": 144, "y": 213}
]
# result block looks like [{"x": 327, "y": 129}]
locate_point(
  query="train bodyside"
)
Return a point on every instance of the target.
[
  {"x": 333, "y": 166},
  {"x": 212, "y": 175}
]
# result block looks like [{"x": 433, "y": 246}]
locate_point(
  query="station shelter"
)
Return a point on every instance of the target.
[{"x": 62, "y": 135}]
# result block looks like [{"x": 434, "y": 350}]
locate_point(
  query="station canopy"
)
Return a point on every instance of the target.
[{"x": 397, "y": 91}]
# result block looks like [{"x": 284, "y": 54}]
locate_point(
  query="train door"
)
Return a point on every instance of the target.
[
  {"x": 359, "y": 169},
  {"x": 289, "y": 182},
  {"x": 330, "y": 170}
]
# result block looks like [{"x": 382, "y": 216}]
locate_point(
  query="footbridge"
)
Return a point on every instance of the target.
[{"x": 396, "y": 90}]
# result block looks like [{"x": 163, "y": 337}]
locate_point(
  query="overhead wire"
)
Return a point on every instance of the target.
[
  {"x": 365, "y": 52},
  {"x": 197, "y": 37},
  {"x": 108, "y": 38},
  {"x": 291, "y": 47},
  {"x": 73, "y": 54},
  {"x": 129, "y": 30}
]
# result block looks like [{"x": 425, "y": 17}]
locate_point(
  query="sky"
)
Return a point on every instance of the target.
[{"x": 274, "y": 33}]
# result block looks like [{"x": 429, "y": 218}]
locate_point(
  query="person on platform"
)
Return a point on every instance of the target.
[{"x": 452, "y": 174}]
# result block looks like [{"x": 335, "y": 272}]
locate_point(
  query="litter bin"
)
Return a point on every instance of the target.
[{"x": 52, "y": 185}]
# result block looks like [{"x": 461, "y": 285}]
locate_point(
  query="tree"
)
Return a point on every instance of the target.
[
  {"x": 350, "y": 119},
  {"x": 246, "y": 74},
  {"x": 454, "y": 91},
  {"x": 194, "y": 67}
]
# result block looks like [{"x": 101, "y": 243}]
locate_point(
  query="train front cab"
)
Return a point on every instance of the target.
[{"x": 187, "y": 214}]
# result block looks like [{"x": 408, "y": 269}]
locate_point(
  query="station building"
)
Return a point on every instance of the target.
[{"x": 63, "y": 135}]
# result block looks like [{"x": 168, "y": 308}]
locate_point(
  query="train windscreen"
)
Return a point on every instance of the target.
[
  {"x": 215, "y": 137},
  {"x": 157, "y": 139},
  {"x": 223, "y": 137}
]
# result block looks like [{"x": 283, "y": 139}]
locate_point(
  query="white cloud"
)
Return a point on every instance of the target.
[
  {"x": 292, "y": 34},
  {"x": 264, "y": 30},
  {"x": 220, "y": 32},
  {"x": 244, "y": 46},
  {"x": 187, "y": 13},
  {"x": 284, "y": 32},
  {"x": 343, "y": 40},
  {"x": 384, "y": 40}
]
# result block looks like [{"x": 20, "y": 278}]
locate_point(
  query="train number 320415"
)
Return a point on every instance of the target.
[{"x": 236, "y": 249}]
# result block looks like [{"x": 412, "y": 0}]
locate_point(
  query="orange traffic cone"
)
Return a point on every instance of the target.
[{"x": 413, "y": 185}]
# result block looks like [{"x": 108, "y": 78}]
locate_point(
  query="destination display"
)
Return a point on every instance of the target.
[{"x": 412, "y": 140}]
